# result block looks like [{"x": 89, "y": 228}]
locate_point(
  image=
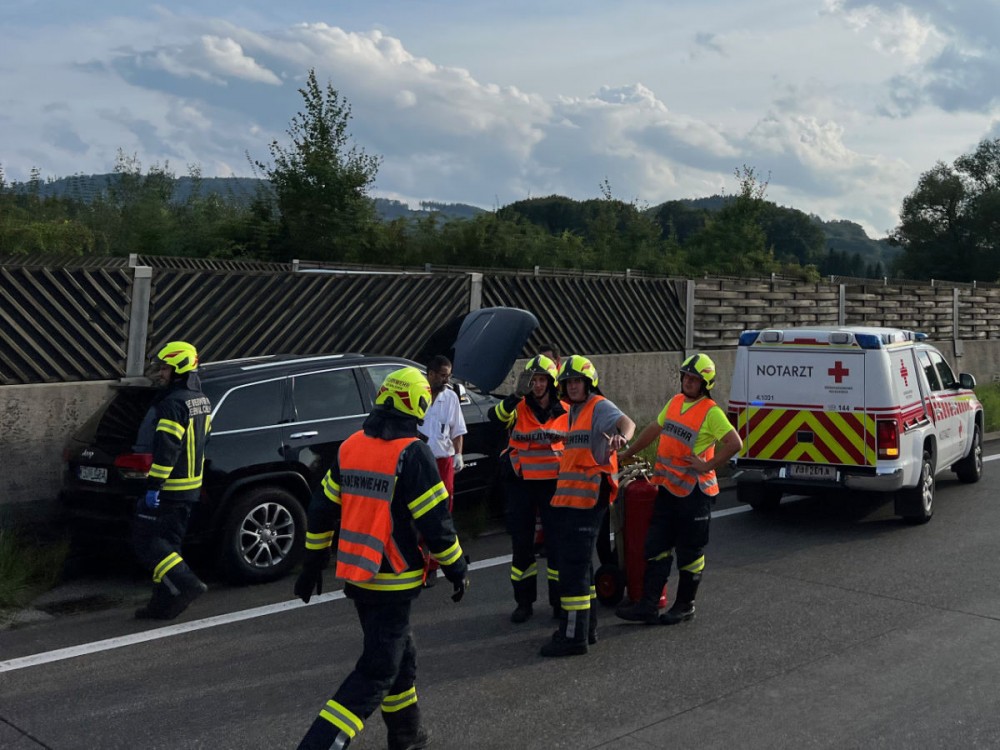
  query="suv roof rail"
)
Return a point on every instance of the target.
[{"x": 278, "y": 360}]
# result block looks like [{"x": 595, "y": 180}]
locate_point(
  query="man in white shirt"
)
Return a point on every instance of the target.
[
  {"x": 444, "y": 425},
  {"x": 444, "y": 428}
]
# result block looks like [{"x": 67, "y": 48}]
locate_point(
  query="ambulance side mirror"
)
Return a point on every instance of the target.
[{"x": 965, "y": 380}]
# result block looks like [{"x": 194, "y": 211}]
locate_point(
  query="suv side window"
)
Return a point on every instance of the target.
[
  {"x": 943, "y": 370},
  {"x": 326, "y": 395},
  {"x": 377, "y": 373},
  {"x": 932, "y": 377},
  {"x": 249, "y": 406}
]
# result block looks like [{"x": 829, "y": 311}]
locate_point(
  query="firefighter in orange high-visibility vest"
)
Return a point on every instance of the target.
[
  {"x": 689, "y": 427},
  {"x": 586, "y": 486},
  {"x": 381, "y": 493},
  {"x": 537, "y": 422}
]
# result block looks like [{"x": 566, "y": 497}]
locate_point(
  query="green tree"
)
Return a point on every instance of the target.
[
  {"x": 950, "y": 224},
  {"x": 733, "y": 240},
  {"x": 321, "y": 182}
]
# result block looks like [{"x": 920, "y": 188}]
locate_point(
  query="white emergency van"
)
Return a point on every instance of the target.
[{"x": 872, "y": 409}]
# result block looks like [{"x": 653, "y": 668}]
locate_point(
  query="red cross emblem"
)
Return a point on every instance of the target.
[
  {"x": 904, "y": 373},
  {"x": 838, "y": 371}
]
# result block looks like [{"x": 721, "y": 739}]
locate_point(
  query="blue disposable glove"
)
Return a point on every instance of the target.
[{"x": 152, "y": 499}]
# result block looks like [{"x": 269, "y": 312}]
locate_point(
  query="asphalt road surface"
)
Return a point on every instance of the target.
[{"x": 828, "y": 624}]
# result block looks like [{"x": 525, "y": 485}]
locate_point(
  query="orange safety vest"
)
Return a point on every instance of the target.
[
  {"x": 677, "y": 439},
  {"x": 579, "y": 484},
  {"x": 367, "y": 483},
  {"x": 536, "y": 447}
]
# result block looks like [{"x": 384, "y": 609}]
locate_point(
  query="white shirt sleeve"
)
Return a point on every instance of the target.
[{"x": 444, "y": 422}]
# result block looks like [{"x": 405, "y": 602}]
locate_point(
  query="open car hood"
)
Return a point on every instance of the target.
[{"x": 483, "y": 344}]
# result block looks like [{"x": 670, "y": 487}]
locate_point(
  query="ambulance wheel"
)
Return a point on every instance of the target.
[
  {"x": 970, "y": 468},
  {"x": 758, "y": 496},
  {"x": 609, "y": 580},
  {"x": 916, "y": 504}
]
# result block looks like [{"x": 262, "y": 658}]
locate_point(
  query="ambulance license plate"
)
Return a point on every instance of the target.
[
  {"x": 92, "y": 474},
  {"x": 812, "y": 471}
]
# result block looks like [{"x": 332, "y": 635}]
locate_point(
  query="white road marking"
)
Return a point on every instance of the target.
[
  {"x": 47, "y": 657},
  {"x": 145, "y": 636}
]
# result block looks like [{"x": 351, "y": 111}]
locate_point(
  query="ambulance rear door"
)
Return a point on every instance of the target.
[{"x": 806, "y": 409}]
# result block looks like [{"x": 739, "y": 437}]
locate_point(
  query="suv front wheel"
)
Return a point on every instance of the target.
[{"x": 263, "y": 536}]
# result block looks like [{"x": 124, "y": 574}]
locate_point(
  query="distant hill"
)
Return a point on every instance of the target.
[
  {"x": 88, "y": 187},
  {"x": 842, "y": 236}
]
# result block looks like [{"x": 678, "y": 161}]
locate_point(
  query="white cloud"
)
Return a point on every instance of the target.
[{"x": 843, "y": 103}]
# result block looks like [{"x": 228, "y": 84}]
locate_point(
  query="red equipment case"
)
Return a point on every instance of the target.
[{"x": 630, "y": 518}]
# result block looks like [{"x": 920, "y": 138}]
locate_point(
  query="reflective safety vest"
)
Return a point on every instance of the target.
[
  {"x": 677, "y": 439},
  {"x": 367, "y": 482},
  {"x": 536, "y": 447},
  {"x": 580, "y": 475}
]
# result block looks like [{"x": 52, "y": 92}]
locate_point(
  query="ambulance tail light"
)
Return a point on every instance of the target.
[{"x": 887, "y": 438}]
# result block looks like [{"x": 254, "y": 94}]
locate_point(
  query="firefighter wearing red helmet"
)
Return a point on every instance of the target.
[
  {"x": 180, "y": 418},
  {"x": 383, "y": 490},
  {"x": 586, "y": 486},
  {"x": 690, "y": 428},
  {"x": 537, "y": 421}
]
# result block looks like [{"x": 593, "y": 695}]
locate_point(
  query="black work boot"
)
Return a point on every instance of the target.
[
  {"x": 640, "y": 611},
  {"x": 323, "y": 735},
  {"x": 188, "y": 587},
  {"x": 404, "y": 730},
  {"x": 683, "y": 607},
  {"x": 560, "y": 645},
  {"x": 521, "y": 614},
  {"x": 571, "y": 638},
  {"x": 156, "y": 608},
  {"x": 647, "y": 608}
]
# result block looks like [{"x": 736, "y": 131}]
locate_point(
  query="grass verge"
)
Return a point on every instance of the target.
[
  {"x": 989, "y": 394},
  {"x": 29, "y": 566}
]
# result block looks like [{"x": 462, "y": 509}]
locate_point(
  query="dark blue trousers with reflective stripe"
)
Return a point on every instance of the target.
[
  {"x": 525, "y": 498},
  {"x": 388, "y": 666},
  {"x": 680, "y": 524},
  {"x": 388, "y": 663},
  {"x": 156, "y": 532},
  {"x": 576, "y": 531}
]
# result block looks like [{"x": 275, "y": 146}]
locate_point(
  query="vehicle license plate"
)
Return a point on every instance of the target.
[
  {"x": 92, "y": 474},
  {"x": 812, "y": 471}
]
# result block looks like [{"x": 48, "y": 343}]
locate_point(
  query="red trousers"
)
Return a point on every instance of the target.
[{"x": 446, "y": 468}]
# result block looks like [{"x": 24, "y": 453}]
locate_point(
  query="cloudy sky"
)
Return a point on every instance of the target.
[{"x": 843, "y": 104}]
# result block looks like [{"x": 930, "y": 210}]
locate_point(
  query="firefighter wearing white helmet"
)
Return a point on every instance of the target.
[
  {"x": 586, "y": 486},
  {"x": 537, "y": 421},
  {"x": 695, "y": 439},
  {"x": 179, "y": 421},
  {"x": 383, "y": 490}
]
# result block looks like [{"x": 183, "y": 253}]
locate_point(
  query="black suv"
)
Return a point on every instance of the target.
[{"x": 277, "y": 423}]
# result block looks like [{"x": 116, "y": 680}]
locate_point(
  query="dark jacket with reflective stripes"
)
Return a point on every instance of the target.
[
  {"x": 181, "y": 425},
  {"x": 419, "y": 505}
]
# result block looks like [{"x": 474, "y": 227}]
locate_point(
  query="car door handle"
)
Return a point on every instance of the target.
[{"x": 300, "y": 435}]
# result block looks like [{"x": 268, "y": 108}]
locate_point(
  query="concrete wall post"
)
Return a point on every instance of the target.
[{"x": 138, "y": 324}]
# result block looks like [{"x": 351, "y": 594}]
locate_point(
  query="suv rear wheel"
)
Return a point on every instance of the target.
[
  {"x": 916, "y": 504},
  {"x": 263, "y": 537}
]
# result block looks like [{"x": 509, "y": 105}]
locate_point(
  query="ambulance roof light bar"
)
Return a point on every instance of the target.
[
  {"x": 747, "y": 338},
  {"x": 771, "y": 337},
  {"x": 868, "y": 340}
]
